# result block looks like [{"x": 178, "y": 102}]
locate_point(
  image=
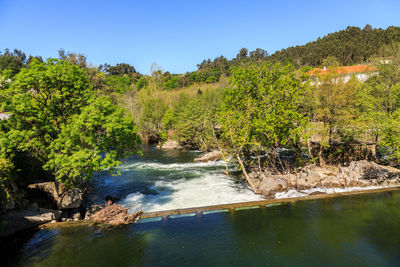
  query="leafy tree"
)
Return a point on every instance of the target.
[
  {"x": 141, "y": 83},
  {"x": 262, "y": 110},
  {"x": 334, "y": 112},
  {"x": 242, "y": 54},
  {"x": 211, "y": 79},
  {"x": 379, "y": 104},
  {"x": 6, "y": 181},
  {"x": 258, "y": 54},
  {"x": 94, "y": 140},
  {"x": 118, "y": 83},
  {"x": 74, "y": 58},
  {"x": 120, "y": 69},
  {"x": 330, "y": 62},
  {"x": 172, "y": 82},
  {"x": 194, "y": 119},
  {"x": 48, "y": 102},
  {"x": 151, "y": 118},
  {"x": 12, "y": 61}
]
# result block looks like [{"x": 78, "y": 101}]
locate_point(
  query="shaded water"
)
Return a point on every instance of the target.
[
  {"x": 359, "y": 230},
  {"x": 162, "y": 180}
]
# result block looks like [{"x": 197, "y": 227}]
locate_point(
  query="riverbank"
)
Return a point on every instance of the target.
[{"x": 313, "y": 179}]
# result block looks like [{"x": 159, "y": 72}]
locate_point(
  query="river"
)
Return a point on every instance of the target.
[
  {"x": 163, "y": 180},
  {"x": 357, "y": 230}
]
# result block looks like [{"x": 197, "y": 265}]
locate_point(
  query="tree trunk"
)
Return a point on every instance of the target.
[
  {"x": 220, "y": 150},
  {"x": 309, "y": 148},
  {"x": 256, "y": 191},
  {"x": 321, "y": 156}
]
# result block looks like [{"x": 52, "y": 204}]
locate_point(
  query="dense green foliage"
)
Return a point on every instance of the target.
[
  {"x": 59, "y": 122},
  {"x": 350, "y": 46},
  {"x": 262, "y": 110},
  {"x": 194, "y": 119}
]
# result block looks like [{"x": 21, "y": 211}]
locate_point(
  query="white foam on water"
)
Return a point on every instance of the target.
[
  {"x": 208, "y": 189},
  {"x": 296, "y": 193},
  {"x": 171, "y": 166}
]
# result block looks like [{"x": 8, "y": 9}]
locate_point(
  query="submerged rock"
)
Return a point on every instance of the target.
[{"x": 210, "y": 156}]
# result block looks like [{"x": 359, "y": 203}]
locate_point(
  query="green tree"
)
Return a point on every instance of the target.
[
  {"x": 12, "y": 61},
  {"x": 172, "y": 82},
  {"x": 47, "y": 103},
  {"x": 194, "y": 119},
  {"x": 92, "y": 141},
  {"x": 262, "y": 110},
  {"x": 121, "y": 69},
  {"x": 151, "y": 118},
  {"x": 142, "y": 83}
]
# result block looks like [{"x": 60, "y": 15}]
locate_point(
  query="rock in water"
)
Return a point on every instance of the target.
[
  {"x": 273, "y": 184},
  {"x": 171, "y": 144},
  {"x": 210, "y": 156},
  {"x": 64, "y": 198},
  {"x": 19, "y": 220}
]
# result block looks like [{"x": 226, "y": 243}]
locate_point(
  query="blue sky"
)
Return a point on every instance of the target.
[{"x": 178, "y": 35}]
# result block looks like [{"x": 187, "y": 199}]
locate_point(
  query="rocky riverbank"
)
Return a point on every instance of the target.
[
  {"x": 46, "y": 202},
  {"x": 359, "y": 174}
]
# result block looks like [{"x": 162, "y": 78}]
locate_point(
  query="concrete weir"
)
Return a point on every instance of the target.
[{"x": 163, "y": 215}]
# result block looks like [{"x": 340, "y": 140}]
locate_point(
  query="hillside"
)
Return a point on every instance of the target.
[{"x": 350, "y": 46}]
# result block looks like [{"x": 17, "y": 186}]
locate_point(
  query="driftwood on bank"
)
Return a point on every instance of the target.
[{"x": 115, "y": 215}]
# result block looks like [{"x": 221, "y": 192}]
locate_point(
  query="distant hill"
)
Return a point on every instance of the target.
[{"x": 350, "y": 46}]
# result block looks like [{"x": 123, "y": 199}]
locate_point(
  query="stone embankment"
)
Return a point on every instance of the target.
[{"x": 358, "y": 174}]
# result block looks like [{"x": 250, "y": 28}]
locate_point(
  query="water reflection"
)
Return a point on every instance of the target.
[{"x": 349, "y": 231}]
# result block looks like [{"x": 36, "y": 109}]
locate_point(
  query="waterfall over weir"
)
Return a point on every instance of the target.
[{"x": 164, "y": 180}]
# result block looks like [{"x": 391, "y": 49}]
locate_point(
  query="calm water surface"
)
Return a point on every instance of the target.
[{"x": 347, "y": 231}]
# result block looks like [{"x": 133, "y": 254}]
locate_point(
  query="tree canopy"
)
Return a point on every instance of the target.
[{"x": 58, "y": 120}]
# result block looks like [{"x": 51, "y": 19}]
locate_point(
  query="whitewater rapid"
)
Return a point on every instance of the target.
[
  {"x": 162, "y": 180},
  {"x": 196, "y": 185}
]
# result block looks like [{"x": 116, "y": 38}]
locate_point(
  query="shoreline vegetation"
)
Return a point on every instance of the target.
[{"x": 296, "y": 119}]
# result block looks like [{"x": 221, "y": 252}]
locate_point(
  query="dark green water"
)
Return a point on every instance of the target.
[{"x": 348, "y": 231}]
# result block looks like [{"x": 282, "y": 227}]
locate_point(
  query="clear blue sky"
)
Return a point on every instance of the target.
[{"x": 177, "y": 35}]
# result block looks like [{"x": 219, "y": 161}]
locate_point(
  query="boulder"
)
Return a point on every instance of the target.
[
  {"x": 358, "y": 174},
  {"x": 273, "y": 184},
  {"x": 314, "y": 176},
  {"x": 20, "y": 220},
  {"x": 171, "y": 144},
  {"x": 70, "y": 199},
  {"x": 64, "y": 198},
  {"x": 210, "y": 156}
]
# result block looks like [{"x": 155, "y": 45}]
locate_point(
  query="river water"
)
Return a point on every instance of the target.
[
  {"x": 358, "y": 230},
  {"x": 163, "y": 180}
]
